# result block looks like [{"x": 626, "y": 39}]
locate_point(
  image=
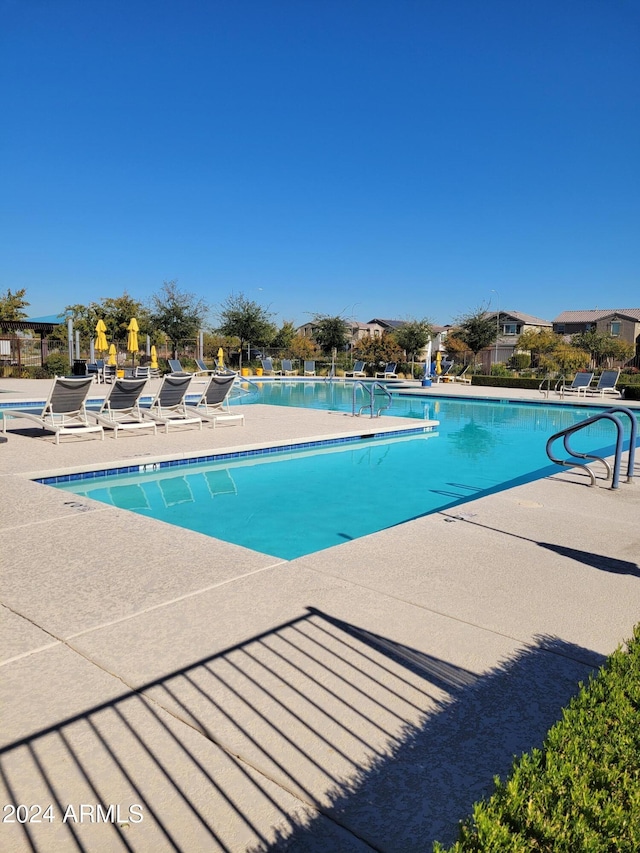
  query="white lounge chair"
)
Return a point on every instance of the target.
[
  {"x": 109, "y": 372},
  {"x": 203, "y": 370},
  {"x": 287, "y": 367},
  {"x": 121, "y": 410},
  {"x": 389, "y": 372},
  {"x": 64, "y": 411},
  {"x": 606, "y": 384},
  {"x": 176, "y": 367},
  {"x": 358, "y": 370},
  {"x": 462, "y": 376},
  {"x": 213, "y": 405},
  {"x": 581, "y": 382},
  {"x": 309, "y": 368},
  {"x": 268, "y": 368},
  {"x": 168, "y": 407}
]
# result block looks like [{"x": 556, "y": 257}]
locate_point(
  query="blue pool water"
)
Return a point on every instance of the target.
[{"x": 300, "y": 501}]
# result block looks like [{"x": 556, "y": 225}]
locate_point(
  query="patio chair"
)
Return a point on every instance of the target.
[
  {"x": 95, "y": 369},
  {"x": 267, "y": 367},
  {"x": 287, "y": 367},
  {"x": 358, "y": 370},
  {"x": 606, "y": 384},
  {"x": 176, "y": 367},
  {"x": 462, "y": 376},
  {"x": 581, "y": 382},
  {"x": 64, "y": 411},
  {"x": 213, "y": 405},
  {"x": 141, "y": 372},
  {"x": 389, "y": 372},
  {"x": 203, "y": 370},
  {"x": 120, "y": 409},
  {"x": 109, "y": 372},
  {"x": 168, "y": 407},
  {"x": 309, "y": 368}
]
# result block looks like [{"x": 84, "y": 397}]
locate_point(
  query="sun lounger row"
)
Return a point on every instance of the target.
[
  {"x": 582, "y": 384},
  {"x": 65, "y": 411}
]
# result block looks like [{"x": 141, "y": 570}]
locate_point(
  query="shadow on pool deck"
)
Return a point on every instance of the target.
[{"x": 402, "y": 742}]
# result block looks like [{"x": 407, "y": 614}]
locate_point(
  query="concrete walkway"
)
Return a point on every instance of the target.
[{"x": 163, "y": 690}]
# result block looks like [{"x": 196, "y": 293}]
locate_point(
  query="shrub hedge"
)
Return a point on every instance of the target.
[
  {"x": 506, "y": 381},
  {"x": 581, "y": 792}
]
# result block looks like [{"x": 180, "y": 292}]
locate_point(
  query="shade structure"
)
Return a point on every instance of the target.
[
  {"x": 220, "y": 357},
  {"x": 132, "y": 339},
  {"x": 154, "y": 358},
  {"x": 101, "y": 337},
  {"x": 112, "y": 355},
  {"x": 438, "y": 362}
]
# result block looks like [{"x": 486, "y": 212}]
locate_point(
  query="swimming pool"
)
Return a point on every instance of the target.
[{"x": 298, "y": 501}]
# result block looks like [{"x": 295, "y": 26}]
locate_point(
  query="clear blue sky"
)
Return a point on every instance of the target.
[{"x": 389, "y": 158}]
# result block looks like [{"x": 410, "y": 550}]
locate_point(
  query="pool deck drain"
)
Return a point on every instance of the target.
[{"x": 359, "y": 698}]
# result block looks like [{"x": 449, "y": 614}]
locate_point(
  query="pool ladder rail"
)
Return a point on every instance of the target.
[
  {"x": 370, "y": 390},
  {"x": 612, "y": 473}
]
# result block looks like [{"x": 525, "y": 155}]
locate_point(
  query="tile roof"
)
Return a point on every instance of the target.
[
  {"x": 591, "y": 316},
  {"x": 527, "y": 319},
  {"x": 393, "y": 324}
]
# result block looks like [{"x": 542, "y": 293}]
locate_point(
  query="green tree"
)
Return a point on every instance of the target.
[
  {"x": 413, "y": 336},
  {"x": 304, "y": 348},
  {"x": 178, "y": 314},
  {"x": 476, "y": 330},
  {"x": 330, "y": 332},
  {"x": 12, "y": 305},
  {"x": 564, "y": 358},
  {"x": 245, "y": 320},
  {"x": 284, "y": 336},
  {"x": 376, "y": 351},
  {"x": 538, "y": 342},
  {"x": 115, "y": 312},
  {"x": 603, "y": 348}
]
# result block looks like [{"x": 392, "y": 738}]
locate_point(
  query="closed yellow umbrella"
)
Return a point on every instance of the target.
[
  {"x": 101, "y": 338},
  {"x": 154, "y": 358},
  {"x": 438, "y": 362},
  {"x": 112, "y": 355},
  {"x": 220, "y": 357},
  {"x": 132, "y": 339}
]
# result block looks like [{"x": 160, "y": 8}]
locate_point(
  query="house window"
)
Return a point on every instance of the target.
[
  {"x": 510, "y": 329},
  {"x": 560, "y": 328},
  {"x": 615, "y": 329}
]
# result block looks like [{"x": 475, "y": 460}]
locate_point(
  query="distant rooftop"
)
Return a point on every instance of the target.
[
  {"x": 592, "y": 315},
  {"x": 50, "y": 318}
]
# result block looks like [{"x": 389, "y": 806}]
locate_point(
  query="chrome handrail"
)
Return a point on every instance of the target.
[
  {"x": 370, "y": 388},
  {"x": 612, "y": 415}
]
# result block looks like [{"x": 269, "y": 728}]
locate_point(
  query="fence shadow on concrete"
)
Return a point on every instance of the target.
[{"x": 315, "y": 735}]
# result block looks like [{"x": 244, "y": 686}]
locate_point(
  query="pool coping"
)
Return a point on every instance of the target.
[{"x": 151, "y": 463}]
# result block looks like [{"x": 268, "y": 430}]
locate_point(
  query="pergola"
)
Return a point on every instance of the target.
[{"x": 43, "y": 329}]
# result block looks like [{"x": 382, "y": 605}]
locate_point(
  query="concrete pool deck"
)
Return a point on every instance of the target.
[{"x": 360, "y": 698}]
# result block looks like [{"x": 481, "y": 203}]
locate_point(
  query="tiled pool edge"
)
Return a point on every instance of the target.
[{"x": 159, "y": 464}]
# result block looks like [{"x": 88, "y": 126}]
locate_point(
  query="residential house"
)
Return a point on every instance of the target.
[
  {"x": 621, "y": 323},
  {"x": 510, "y": 325},
  {"x": 357, "y": 331}
]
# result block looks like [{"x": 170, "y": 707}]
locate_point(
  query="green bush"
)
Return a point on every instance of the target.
[
  {"x": 581, "y": 792},
  {"x": 630, "y": 392},
  {"x": 57, "y": 365},
  {"x": 520, "y": 361},
  {"x": 500, "y": 369},
  {"x": 505, "y": 381}
]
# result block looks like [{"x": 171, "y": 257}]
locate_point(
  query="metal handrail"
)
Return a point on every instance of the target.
[
  {"x": 370, "y": 388},
  {"x": 612, "y": 415},
  {"x": 548, "y": 380}
]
